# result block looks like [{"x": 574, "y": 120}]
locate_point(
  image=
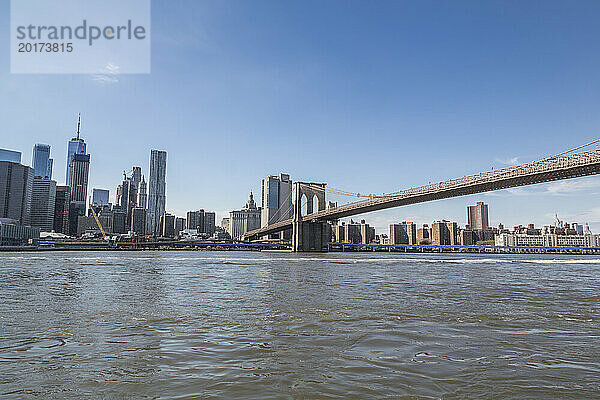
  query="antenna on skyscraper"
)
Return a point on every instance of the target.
[{"x": 78, "y": 125}]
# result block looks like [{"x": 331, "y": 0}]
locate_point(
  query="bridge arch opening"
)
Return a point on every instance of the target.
[{"x": 303, "y": 205}]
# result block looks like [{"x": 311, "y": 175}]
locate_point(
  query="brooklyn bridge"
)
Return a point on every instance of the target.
[{"x": 311, "y": 231}]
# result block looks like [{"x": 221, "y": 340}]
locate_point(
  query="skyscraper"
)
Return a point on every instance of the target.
[
  {"x": 276, "y": 199},
  {"x": 79, "y": 168},
  {"x": 209, "y": 222},
  {"x": 156, "y": 191},
  {"x": 43, "y": 203},
  {"x": 100, "y": 197},
  {"x": 136, "y": 176},
  {"x": 61, "y": 209},
  {"x": 138, "y": 223},
  {"x": 76, "y": 146},
  {"x": 16, "y": 186},
  {"x": 477, "y": 217},
  {"x": 42, "y": 163},
  {"x": 10, "y": 156},
  {"x": 142, "y": 200}
]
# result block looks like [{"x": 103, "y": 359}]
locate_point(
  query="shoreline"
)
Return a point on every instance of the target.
[{"x": 332, "y": 248}]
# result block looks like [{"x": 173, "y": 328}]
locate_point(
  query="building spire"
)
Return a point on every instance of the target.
[{"x": 78, "y": 125}]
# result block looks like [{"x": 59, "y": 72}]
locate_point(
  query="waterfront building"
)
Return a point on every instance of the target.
[
  {"x": 244, "y": 220},
  {"x": 209, "y": 222},
  {"x": 76, "y": 146},
  {"x": 14, "y": 234},
  {"x": 167, "y": 223},
  {"x": 202, "y": 221},
  {"x": 100, "y": 197},
  {"x": 88, "y": 225},
  {"x": 444, "y": 233},
  {"x": 119, "y": 221},
  {"x": 465, "y": 237},
  {"x": 156, "y": 191},
  {"x": 43, "y": 200},
  {"x": 352, "y": 233},
  {"x": 10, "y": 156},
  {"x": 79, "y": 169},
  {"x": 367, "y": 233},
  {"x": 404, "y": 233},
  {"x": 276, "y": 202},
  {"x": 139, "y": 221},
  {"x": 42, "y": 163},
  {"x": 16, "y": 187},
  {"x": 61, "y": 209},
  {"x": 547, "y": 240},
  {"x": 424, "y": 235},
  {"x": 195, "y": 220},
  {"x": 179, "y": 225},
  {"x": 477, "y": 217},
  {"x": 338, "y": 232}
]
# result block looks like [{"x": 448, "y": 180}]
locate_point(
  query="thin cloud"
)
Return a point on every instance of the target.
[
  {"x": 508, "y": 161},
  {"x": 558, "y": 188},
  {"x": 108, "y": 75},
  {"x": 572, "y": 186},
  {"x": 517, "y": 191}
]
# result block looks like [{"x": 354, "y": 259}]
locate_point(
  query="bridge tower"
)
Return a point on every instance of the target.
[{"x": 309, "y": 235}]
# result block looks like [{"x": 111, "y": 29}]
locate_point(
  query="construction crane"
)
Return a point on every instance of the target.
[{"x": 98, "y": 222}]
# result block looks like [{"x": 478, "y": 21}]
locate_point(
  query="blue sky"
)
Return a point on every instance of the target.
[{"x": 370, "y": 97}]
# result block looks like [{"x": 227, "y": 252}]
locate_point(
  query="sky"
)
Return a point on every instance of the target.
[{"x": 369, "y": 97}]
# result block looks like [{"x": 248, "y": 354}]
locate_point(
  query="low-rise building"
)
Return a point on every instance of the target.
[
  {"x": 245, "y": 220},
  {"x": 547, "y": 240},
  {"x": 14, "y": 234},
  {"x": 88, "y": 224}
]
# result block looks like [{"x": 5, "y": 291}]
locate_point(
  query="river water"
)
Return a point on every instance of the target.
[{"x": 278, "y": 325}]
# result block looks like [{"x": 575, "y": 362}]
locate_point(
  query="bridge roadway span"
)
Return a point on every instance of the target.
[{"x": 546, "y": 170}]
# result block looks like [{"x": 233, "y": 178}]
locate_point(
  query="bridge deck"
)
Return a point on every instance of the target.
[{"x": 550, "y": 169}]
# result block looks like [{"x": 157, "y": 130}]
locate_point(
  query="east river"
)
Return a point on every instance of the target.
[{"x": 244, "y": 325}]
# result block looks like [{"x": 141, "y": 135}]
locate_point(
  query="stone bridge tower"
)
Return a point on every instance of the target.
[{"x": 309, "y": 234}]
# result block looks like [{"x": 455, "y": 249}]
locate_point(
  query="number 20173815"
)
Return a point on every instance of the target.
[{"x": 42, "y": 47}]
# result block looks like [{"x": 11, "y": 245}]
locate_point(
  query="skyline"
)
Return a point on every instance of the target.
[
  {"x": 485, "y": 84},
  {"x": 552, "y": 187}
]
